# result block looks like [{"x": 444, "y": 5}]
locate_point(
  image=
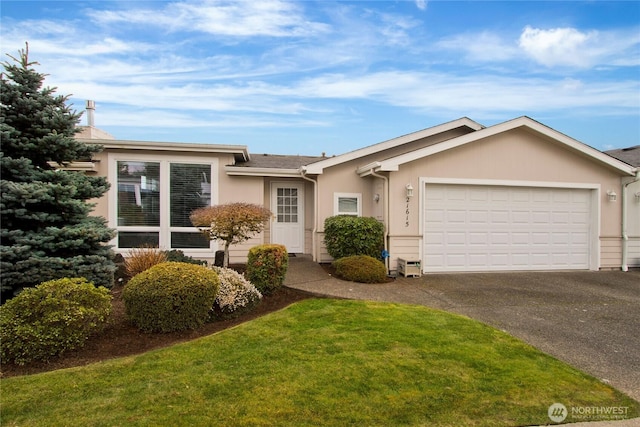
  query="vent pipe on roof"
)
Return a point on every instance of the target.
[{"x": 91, "y": 110}]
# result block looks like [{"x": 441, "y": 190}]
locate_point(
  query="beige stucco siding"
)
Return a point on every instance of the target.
[
  {"x": 102, "y": 204},
  {"x": 513, "y": 156}
]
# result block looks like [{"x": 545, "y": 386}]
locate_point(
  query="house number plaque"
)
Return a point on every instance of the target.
[{"x": 406, "y": 223}]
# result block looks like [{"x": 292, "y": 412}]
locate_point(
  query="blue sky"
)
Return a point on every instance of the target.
[{"x": 308, "y": 77}]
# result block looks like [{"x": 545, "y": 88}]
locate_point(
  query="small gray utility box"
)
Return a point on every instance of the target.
[{"x": 409, "y": 267}]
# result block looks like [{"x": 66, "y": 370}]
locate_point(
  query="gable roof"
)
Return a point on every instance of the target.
[
  {"x": 464, "y": 122},
  {"x": 629, "y": 155},
  {"x": 393, "y": 163}
]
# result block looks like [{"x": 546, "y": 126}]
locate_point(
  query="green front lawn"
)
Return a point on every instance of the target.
[{"x": 318, "y": 362}]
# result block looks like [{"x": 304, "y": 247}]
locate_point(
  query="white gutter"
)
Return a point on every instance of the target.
[
  {"x": 261, "y": 172},
  {"x": 387, "y": 260},
  {"x": 303, "y": 174},
  {"x": 625, "y": 235},
  {"x": 240, "y": 152}
]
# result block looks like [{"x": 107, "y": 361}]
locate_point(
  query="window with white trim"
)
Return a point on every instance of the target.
[
  {"x": 347, "y": 204},
  {"x": 154, "y": 200}
]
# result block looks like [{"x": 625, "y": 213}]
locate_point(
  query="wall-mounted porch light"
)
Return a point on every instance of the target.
[
  {"x": 612, "y": 196},
  {"x": 637, "y": 197},
  {"x": 376, "y": 197},
  {"x": 409, "y": 190}
]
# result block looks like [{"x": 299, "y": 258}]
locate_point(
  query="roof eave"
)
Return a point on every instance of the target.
[
  {"x": 240, "y": 152},
  {"x": 261, "y": 172},
  {"x": 317, "y": 168}
]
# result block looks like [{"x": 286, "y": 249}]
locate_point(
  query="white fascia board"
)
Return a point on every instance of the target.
[
  {"x": 369, "y": 169},
  {"x": 240, "y": 150},
  {"x": 393, "y": 163},
  {"x": 318, "y": 167},
  {"x": 265, "y": 172}
]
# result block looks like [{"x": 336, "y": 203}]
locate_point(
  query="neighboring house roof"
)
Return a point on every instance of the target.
[
  {"x": 393, "y": 163},
  {"x": 464, "y": 122},
  {"x": 629, "y": 155},
  {"x": 272, "y": 165}
]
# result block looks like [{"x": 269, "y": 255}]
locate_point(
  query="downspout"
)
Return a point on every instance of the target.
[
  {"x": 303, "y": 174},
  {"x": 387, "y": 260},
  {"x": 625, "y": 235}
]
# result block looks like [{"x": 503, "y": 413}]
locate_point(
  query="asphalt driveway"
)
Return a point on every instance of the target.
[{"x": 588, "y": 319}]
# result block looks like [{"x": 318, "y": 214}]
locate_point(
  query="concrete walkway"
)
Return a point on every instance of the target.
[{"x": 587, "y": 319}]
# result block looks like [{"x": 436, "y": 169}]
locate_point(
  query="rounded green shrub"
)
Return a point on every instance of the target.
[
  {"x": 171, "y": 296},
  {"x": 361, "y": 268},
  {"x": 236, "y": 295},
  {"x": 267, "y": 266},
  {"x": 346, "y": 235},
  {"x": 51, "y": 318}
]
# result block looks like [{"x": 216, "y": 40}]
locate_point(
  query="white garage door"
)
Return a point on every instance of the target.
[{"x": 489, "y": 228}]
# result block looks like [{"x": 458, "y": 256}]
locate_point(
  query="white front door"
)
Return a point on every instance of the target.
[{"x": 287, "y": 226}]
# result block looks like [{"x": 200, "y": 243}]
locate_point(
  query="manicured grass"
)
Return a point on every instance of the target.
[{"x": 318, "y": 362}]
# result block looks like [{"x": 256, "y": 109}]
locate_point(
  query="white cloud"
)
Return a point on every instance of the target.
[
  {"x": 485, "y": 95},
  {"x": 274, "y": 18},
  {"x": 306, "y": 98},
  {"x": 558, "y": 46},
  {"x": 582, "y": 49},
  {"x": 485, "y": 46},
  {"x": 421, "y": 4}
]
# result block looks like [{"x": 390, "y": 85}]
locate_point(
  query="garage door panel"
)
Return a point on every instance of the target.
[
  {"x": 479, "y": 194},
  {"x": 520, "y": 238},
  {"x": 561, "y": 239},
  {"x": 478, "y": 259},
  {"x": 434, "y": 216},
  {"x": 498, "y": 196},
  {"x": 434, "y": 238},
  {"x": 455, "y": 216},
  {"x": 521, "y": 217},
  {"x": 499, "y": 238},
  {"x": 478, "y": 216},
  {"x": 560, "y": 217},
  {"x": 580, "y": 238},
  {"x": 484, "y": 228},
  {"x": 540, "y": 217},
  {"x": 456, "y": 239},
  {"x": 479, "y": 238},
  {"x": 499, "y": 217},
  {"x": 520, "y": 196}
]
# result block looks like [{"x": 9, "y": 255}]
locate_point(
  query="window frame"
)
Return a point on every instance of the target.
[
  {"x": 336, "y": 203},
  {"x": 164, "y": 230}
]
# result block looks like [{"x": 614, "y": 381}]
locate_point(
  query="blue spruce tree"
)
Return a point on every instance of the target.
[{"x": 46, "y": 230}]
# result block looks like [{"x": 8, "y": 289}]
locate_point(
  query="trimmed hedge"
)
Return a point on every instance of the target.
[
  {"x": 346, "y": 235},
  {"x": 171, "y": 296},
  {"x": 267, "y": 266},
  {"x": 55, "y": 316},
  {"x": 361, "y": 268}
]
